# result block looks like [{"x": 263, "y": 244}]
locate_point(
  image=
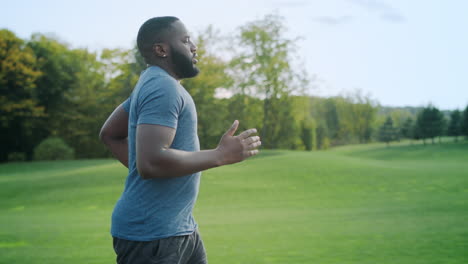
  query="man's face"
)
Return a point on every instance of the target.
[{"x": 183, "y": 52}]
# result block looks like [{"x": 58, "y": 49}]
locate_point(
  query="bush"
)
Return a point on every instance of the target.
[
  {"x": 16, "y": 156},
  {"x": 308, "y": 134},
  {"x": 53, "y": 148}
]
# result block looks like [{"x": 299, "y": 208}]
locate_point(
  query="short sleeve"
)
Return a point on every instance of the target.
[
  {"x": 126, "y": 105},
  {"x": 159, "y": 103}
]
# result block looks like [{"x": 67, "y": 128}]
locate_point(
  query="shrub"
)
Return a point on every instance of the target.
[
  {"x": 17, "y": 156},
  {"x": 53, "y": 148},
  {"x": 308, "y": 134},
  {"x": 325, "y": 143}
]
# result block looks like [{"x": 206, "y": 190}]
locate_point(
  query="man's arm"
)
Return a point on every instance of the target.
[
  {"x": 114, "y": 134},
  {"x": 156, "y": 160}
]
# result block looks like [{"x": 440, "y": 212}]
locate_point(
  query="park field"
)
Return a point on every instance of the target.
[{"x": 354, "y": 204}]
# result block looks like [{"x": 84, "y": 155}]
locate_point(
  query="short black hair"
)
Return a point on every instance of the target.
[{"x": 153, "y": 31}]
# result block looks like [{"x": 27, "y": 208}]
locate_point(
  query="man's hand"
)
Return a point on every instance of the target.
[{"x": 234, "y": 149}]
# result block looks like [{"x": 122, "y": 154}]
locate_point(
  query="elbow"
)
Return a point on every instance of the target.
[
  {"x": 103, "y": 136},
  {"x": 107, "y": 137},
  {"x": 144, "y": 172}
]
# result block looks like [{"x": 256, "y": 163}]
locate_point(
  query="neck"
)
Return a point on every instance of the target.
[{"x": 164, "y": 64}]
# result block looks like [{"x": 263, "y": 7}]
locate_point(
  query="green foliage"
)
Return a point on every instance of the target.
[
  {"x": 464, "y": 122},
  {"x": 73, "y": 91},
  {"x": 55, "y": 61},
  {"x": 85, "y": 111},
  {"x": 247, "y": 109},
  {"x": 399, "y": 117},
  {"x": 19, "y": 107},
  {"x": 263, "y": 68},
  {"x": 66, "y": 94},
  {"x": 408, "y": 129},
  {"x": 53, "y": 148},
  {"x": 122, "y": 69},
  {"x": 344, "y": 120},
  {"x": 455, "y": 125},
  {"x": 323, "y": 142},
  {"x": 17, "y": 156},
  {"x": 308, "y": 134},
  {"x": 387, "y": 132},
  {"x": 332, "y": 121},
  {"x": 430, "y": 123},
  {"x": 363, "y": 115}
]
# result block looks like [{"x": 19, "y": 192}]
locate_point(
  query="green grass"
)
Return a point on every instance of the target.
[{"x": 354, "y": 204}]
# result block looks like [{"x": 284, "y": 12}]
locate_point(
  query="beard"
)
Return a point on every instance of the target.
[{"x": 183, "y": 65}]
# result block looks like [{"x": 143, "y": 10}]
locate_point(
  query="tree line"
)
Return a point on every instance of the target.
[
  {"x": 50, "y": 90},
  {"x": 428, "y": 123}
]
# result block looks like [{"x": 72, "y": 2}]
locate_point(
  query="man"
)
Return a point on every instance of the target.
[{"x": 154, "y": 134}]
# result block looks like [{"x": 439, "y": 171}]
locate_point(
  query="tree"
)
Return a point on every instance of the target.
[
  {"x": 84, "y": 111},
  {"x": 308, "y": 134},
  {"x": 455, "y": 125},
  {"x": 73, "y": 90},
  {"x": 331, "y": 118},
  {"x": 430, "y": 123},
  {"x": 264, "y": 69},
  {"x": 248, "y": 109},
  {"x": 400, "y": 116},
  {"x": 356, "y": 117},
  {"x": 387, "y": 131},
  {"x": 59, "y": 68},
  {"x": 438, "y": 124},
  {"x": 19, "y": 107},
  {"x": 464, "y": 122},
  {"x": 122, "y": 69},
  {"x": 407, "y": 129},
  {"x": 323, "y": 142},
  {"x": 364, "y": 112}
]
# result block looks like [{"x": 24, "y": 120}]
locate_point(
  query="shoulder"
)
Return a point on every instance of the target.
[
  {"x": 159, "y": 84},
  {"x": 157, "y": 77}
]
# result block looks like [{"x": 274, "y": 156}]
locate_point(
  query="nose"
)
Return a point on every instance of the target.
[{"x": 193, "y": 47}]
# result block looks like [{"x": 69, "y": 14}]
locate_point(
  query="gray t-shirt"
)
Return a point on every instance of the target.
[{"x": 158, "y": 208}]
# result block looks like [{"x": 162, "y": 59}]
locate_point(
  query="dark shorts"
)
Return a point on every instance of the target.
[{"x": 186, "y": 249}]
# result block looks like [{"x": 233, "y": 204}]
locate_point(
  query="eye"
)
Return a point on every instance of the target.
[{"x": 187, "y": 40}]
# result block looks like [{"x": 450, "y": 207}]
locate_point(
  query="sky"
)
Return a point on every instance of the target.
[{"x": 400, "y": 53}]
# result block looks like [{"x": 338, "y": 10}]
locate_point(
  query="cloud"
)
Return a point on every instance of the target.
[
  {"x": 332, "y": 21},
  {"x": 386, "y": 11}
]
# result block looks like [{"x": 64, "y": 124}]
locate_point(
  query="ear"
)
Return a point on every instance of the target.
[{"x": 161, "y": 50}]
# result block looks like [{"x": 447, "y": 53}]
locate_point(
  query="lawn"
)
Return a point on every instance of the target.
[{"x": 354, "y": 204}]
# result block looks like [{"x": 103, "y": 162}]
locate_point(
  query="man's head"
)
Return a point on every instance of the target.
[{"x": 164, "y": 41}]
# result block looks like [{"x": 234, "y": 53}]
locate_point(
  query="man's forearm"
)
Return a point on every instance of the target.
[
  {"x": 155, "y": 159},
  {"x": 175, "y": 163},
  {"x": 119, "y": 148}
]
